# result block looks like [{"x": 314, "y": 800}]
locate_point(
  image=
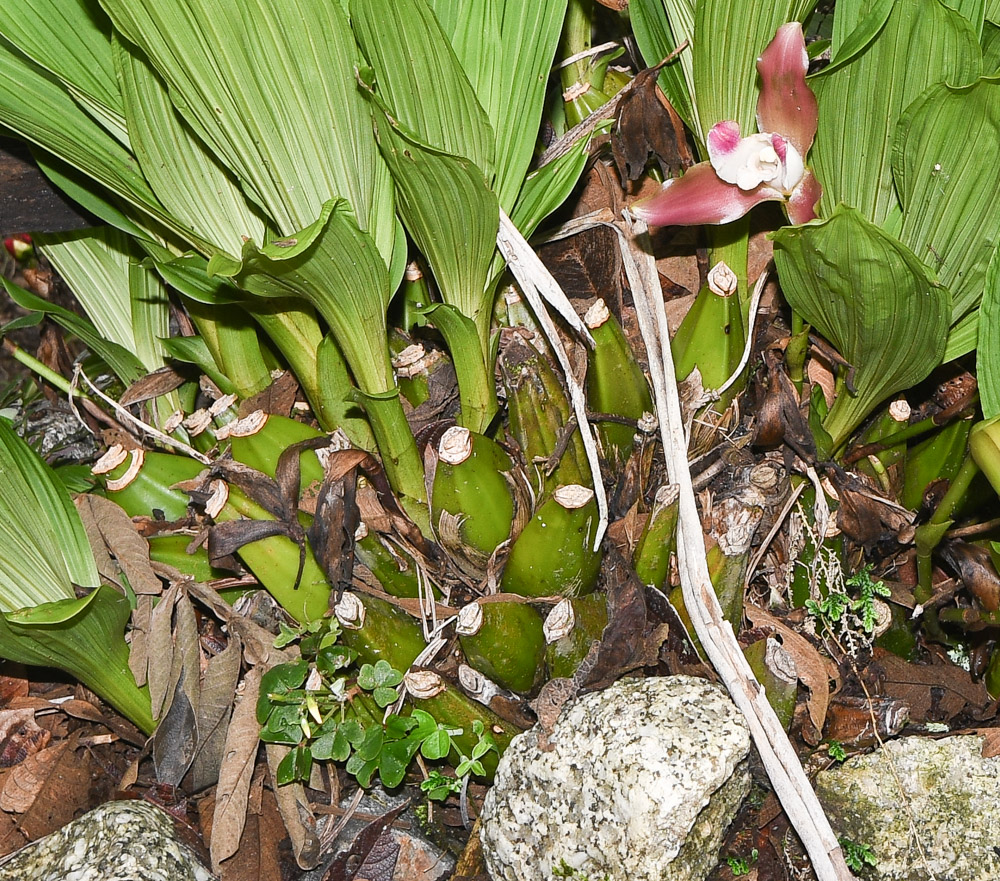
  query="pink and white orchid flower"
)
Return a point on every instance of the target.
[{"x": 764, "y": 167}]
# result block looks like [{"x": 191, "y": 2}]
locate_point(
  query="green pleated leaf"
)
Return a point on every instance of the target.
[
  {"x": 121, "y": 360},
  {"x": 990, "y": 44},
  {"x": 729, "y": 35},
  {"x": 866, "y": 30},
  {"x": 506, "y": 49},
  {"x": 127, "y": 304},
  {"x": 860, "y": 102},
  {"x": 660, "y": 26},
  {"x": 36, "y": 107},
  {"x": 962, "y": 337},
  {"x": 988, "y": 352},
  {"x": 72, "y": 40},
  {"x": 270, "y": 89},
  {"x": 873, "y": 299},
  {"x": 45, "y": 547},
  {"x": 177, "y": 165},
  {"x": 428, "y": 91},
  {"x": 946, "y": 158},
  {"x": 336, "y": 267},
  {"x": 451, "y": 213},
  {"x": 85, "y": 638},
  {"x": 973, "y": 10}
]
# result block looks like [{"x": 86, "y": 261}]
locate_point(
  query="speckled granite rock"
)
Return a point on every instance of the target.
[
  {"x": 954, "y": 802},
  {"x": 640, "y": 784},
  {"x": 119, "y": 841}
]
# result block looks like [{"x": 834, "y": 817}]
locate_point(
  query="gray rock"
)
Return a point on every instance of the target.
[
  {"x": 640, "y": 784},
  {"x": 119, "y": 841},
  {"x": 953, "y": 797}
]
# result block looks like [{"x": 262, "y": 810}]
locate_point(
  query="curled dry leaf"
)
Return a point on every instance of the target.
[
  {"x": 20, "y": 736},
  {"x": 295, "y": 811},
  {"x": 818, "y": 674},
  {"x": 236, "y": 772},
  {"x": 119, "y": 536}
]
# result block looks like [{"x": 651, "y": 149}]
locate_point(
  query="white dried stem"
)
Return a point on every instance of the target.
[{"x": 716, "y": 634}]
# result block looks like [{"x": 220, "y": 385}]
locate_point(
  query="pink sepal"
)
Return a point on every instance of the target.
[
  {"x": 801, "y": 205},
  {"x": 786, "y": 103},
  {"x": 700, "y": 196}
]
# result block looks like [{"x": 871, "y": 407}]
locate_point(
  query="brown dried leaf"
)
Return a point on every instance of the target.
[
  {"x": 152, "y": 385},
  {"x": 215, "y": 698},
  {"x": 373, "y": 855},
  {"x": 331, "y": 534},
  {"x": 633, "y": 636},
  {"x": 587, "y": 265},
  {"x": 865, "y": 516},
  {"x": 161, "y": 650},
  {"x": 935, "y": 692},
  {"x": 12, "y": 686},
  {"x": 259, "y": 857},
  {"x": 818, "y": 674},
  {"x": 295, "y": 811},
  {"x": 25, "y": 783},
  {"x": 20, "y": 736},
  {"x": 975, "y": 568},
  {"x": 122, "y": 541},
  {"x": 278, "y": 398},
  {"x": 175, "y": 740},
  {"x": 236, "y": 772},
  {"x": 991, "y": 741},
  {"x": 648, "y": 126}
]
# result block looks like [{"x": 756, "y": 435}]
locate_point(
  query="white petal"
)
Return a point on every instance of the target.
[{"x": 752, "y": 163}]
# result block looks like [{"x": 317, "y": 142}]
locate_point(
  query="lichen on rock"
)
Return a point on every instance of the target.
[{"x": 640, "y": 783}]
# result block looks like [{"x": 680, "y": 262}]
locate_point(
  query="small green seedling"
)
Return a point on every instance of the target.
[
  {"x": 857, "y": 856},
  {"x": 836, "y": 751},
  {"x": 741, "y": 866}
]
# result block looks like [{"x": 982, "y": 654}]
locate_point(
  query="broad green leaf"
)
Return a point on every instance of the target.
[
  {"x": 873, "y": 299},
  {"x": 988, "y": 353},
  {"x": 962, "y": 338},
  {"x": 991, "y": 48},
  {"x": 127, "y": 304},
  {"x": 993, "y": 11},
  {"x": 973, "y": 10},
  {"x": 194, "y": 350},
  {"x": 476, "y": 383},
  {"x": 946, "y": 158},
  {"x": 336, "y": 267},
  {"x": 46, "y": 551},
  {"x": 450, "y": 212},
  {"x": 271, "y": 90},
  {"x": 85, "y": 638},
  {"x": 178, "y": 166},
  {"x": 37, "y": 108},
  {"x": 428, "y": 91},
  {"x": 860, "y": 102},
  {"x": 125, "y": 364},
  {"x": 864, "y": 32},
  {"x": 506, "y": 48},
  {"x": 729, "y": 35},
  {"x": 72, "y": 40},
  {"x": 660, "y": 26}
]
